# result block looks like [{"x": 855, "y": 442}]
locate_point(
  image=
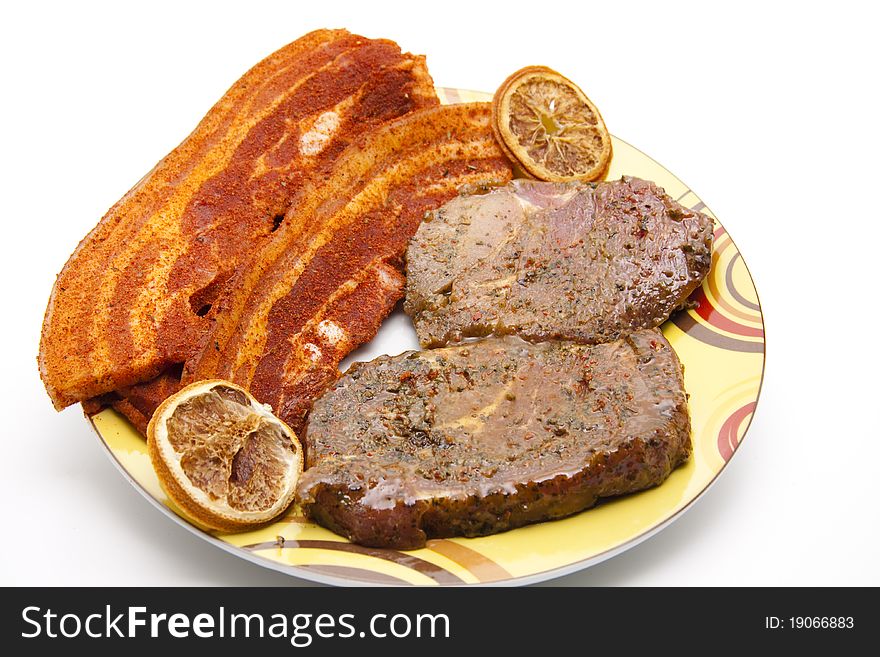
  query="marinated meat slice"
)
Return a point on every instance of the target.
[
  {"x": 582, "y": 262},
  {"x": 140, "y": 290},
  {"x": 490, "y": 435}
]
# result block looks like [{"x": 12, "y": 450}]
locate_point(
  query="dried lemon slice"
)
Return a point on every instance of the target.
[
  {"x": 226, "y": 461},
  {"x": 549, "y": 127}
]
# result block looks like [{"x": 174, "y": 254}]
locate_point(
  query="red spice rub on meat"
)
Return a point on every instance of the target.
[{"x": 139, "y": 291}]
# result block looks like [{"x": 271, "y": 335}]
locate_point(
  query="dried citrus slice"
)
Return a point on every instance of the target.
[
  {"x": 549, "y": 127},
  {"x": 221, "y": 456}
]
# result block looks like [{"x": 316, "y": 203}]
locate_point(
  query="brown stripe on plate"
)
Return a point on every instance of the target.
[
  {"x": 435, "y": 572},
  {"x": 480, "y": 566},
  {"x": 728, "y": 279},
  {"x": 721, "y": 302},
  {"x": 686, "y": 322}
]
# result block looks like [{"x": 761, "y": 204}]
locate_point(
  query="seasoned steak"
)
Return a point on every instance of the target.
[
  {"x": 490, "y": 435},
  {"x": 575, "y": 261}
]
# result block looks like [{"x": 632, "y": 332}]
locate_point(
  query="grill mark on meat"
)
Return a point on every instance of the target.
[
  {"x": 491, "y": 435},
  {"x": 363, "y": 211},
  {"x": 581, "y": 262},
  {"x": 206, "y": 204}
]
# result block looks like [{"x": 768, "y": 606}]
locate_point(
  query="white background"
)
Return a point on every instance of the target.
[{"x": 767, "y": 110}]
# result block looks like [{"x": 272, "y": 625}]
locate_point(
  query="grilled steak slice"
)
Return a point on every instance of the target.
[
  {"x": 582, "y": 262},
  {"x": 487, "y": 436}
]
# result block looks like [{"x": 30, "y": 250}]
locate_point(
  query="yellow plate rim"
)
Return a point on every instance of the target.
[{"x": 543, "y": 575}]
